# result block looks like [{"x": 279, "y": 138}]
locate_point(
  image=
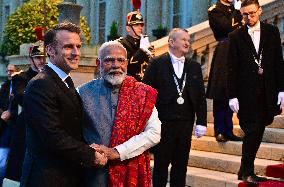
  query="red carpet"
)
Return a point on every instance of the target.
[
  {"x": 276, "y": 171},
  {"x": 269, "y": 183}
]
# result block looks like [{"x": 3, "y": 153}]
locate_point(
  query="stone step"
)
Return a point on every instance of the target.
[
  {"x": 210, "y": 130},
  {"x": 268, "y": 151},
  {"x": 225, "y": 162},
  {"x": 277, "y": 123},
  {"x": 198, "y": 177},
  {"x": 271, "y": 135}
]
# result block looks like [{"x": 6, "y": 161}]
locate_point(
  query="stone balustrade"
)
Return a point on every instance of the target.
[{"x": 203, "y": 42}]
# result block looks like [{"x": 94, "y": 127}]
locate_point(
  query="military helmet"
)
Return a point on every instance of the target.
[
  {"x": 37, "y": 49},
  {"x": 134, "y": 18}
]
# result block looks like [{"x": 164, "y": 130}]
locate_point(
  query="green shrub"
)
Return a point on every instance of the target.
[{"x": 20, "y": 26}]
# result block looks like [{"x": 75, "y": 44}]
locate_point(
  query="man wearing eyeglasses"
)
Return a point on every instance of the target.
[
  {"x": 256, "y": 86},
  {"x": 121, "y": 121}
]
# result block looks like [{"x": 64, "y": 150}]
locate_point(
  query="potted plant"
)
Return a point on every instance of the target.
[
  {"x": 160, "y": 31},
  {"x": 113, "y": 35}
]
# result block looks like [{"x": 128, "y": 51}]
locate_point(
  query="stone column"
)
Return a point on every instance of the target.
[
  {"x": 114, "y": 9},
  {"x": 126, "y": 7},
  {"x": 153, "y": 17},
  {"x": 92, "y": 21},
  {"x": 165, "y": 13},
  {"x": 199, "y": 11},
  {"x": 86, "y": 8},
  {"x": 69, "y": 11},
  {"x": 1, "y": 19}
]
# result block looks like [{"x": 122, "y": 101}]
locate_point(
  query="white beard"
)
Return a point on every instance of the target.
[{"x": 114, "y": 80}]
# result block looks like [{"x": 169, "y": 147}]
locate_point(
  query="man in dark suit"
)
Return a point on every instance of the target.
[
  {"x": 5, "y": 126},
  {"x": 181, "y": 96},
  {"x": 223, "y": 19},
  {"x": 139, "y": 49},
  {"x": 14, "y": 112},
  {"x": 56, "y": 151},
  {"x": 256, "y": 86}
]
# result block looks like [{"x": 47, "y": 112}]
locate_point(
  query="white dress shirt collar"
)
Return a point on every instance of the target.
[
  {"x": 178, "y": 64},
  {"x": 256, "y": 27},
  {"x": 254, "y": 33},
  {"x": 62, "y": 75}
]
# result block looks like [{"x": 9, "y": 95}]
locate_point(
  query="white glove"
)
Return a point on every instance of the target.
[
  {"x": 280, "y": 99},
  {"x": 234, "y": 104},
  {"x": 199, "y": 131},
  {"x": 237, "y": 4},
  {"x": 145, "y": 44}
]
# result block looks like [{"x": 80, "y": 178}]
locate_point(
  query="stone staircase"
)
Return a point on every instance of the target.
[{"x": 214, "y": 164}]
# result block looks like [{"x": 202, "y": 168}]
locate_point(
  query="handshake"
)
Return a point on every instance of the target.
[{"x": 103, "y": 154}]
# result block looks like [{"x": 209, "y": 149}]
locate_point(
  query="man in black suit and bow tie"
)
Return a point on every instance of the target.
[
  {"x": 181, "y": 97},
  {"x": 255, "y": 82},
  {"x": 56, "y": 151}
]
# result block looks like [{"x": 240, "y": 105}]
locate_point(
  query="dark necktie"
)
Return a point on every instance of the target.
[{"x": 69, "y": 82}]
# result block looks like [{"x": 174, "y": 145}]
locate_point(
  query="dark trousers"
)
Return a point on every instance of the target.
[
  {"x": 222, "y": 113},
  {"x": 251, "y": 142},
  {"x": 173, "y": 149}
]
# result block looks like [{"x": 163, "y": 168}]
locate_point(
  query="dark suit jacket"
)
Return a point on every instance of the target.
[
  {"x": 5, "y": 129},
  {"x": 243, "y": 71},
  {"x": 55, "y": 150},
  {"x": 159, "y": 75},
  {"x": 18, "y": 146},
  {"x": 222, "y": 20}
]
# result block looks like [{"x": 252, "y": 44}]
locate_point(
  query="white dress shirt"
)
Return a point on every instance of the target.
[
  {"x": 254, "y": 33},
  {"x": 61, "y": 74},
  {"x": 143, "y": 141},
  {"x": 178, "y": 64}
]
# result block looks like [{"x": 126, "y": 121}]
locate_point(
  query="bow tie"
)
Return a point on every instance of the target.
[
  {"x": 252, "y": 30},
  {"x": 181, "y": 59}
]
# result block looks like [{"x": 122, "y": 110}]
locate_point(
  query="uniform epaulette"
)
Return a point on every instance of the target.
[
  {"x": 119, "y": 39},
  {"x": 17, "y": 73},
  {"x": 212, "y": 7}
]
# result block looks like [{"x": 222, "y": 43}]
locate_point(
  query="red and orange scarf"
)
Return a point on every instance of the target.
[{"x": 135, "y": 105}]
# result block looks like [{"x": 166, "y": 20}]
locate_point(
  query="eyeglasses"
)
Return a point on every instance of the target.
[
  {"x": 251, "y": 14},
  {"x": 111, "y": 60}
]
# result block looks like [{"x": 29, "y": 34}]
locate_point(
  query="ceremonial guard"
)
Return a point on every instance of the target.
[
  {"x": 139, "y": 49},
  {"x": 224, "y": 17},
  {"x": 20, "y": 81}
]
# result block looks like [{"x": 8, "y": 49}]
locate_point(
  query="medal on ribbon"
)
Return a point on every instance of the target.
[{"x": 180, "y": 99}]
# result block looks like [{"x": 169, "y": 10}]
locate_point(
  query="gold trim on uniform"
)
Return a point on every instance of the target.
[
  {"x": 233, "y": 22},
  {"x": 142, "y": 69},
  {"x": 212, "y": 7},
  {"x": 132, "y": 62}
]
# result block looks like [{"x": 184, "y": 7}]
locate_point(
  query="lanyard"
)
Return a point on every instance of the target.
[{"x": 180, "y": 100}]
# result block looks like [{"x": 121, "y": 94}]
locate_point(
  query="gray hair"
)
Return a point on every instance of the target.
[
  {"x": 104, "y": 49},
  {"x": 173, "y": 33}
]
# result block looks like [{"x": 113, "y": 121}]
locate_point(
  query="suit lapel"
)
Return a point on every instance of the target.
[
  {"x": 73, "y": 96},
  {"x": 171, "y": 70},
  {"x": 248, "y": 40},
  {"x": 263, "y": 37}
]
